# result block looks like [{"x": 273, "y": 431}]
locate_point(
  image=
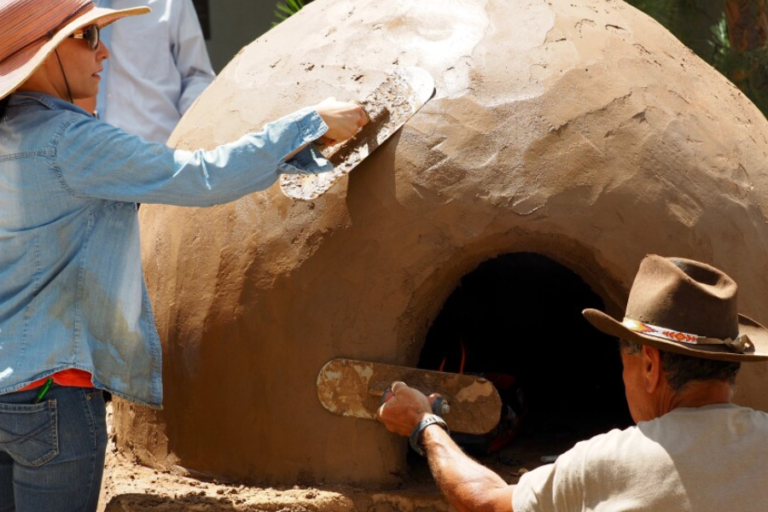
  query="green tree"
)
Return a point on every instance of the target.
[
  {"x": 745, "y": 61},
  {"x": 287, "y": 8},
  {"x": 731, "y": 35},
  {"x": 691, "y": 21}
]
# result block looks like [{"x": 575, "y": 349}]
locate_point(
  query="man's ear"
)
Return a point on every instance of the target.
[{"x": 651, "y": 368}]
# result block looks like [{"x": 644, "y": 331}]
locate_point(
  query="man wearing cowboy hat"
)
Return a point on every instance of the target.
[{"x": 682, "y": 342}]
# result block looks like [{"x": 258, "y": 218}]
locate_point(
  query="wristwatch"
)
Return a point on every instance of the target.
[{"x": 418, "y": 430}]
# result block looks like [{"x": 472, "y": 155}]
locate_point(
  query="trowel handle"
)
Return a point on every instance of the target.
[{"x": 439, "y": 404}]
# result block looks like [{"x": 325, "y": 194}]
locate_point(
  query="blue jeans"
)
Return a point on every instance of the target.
[{"x": 52, "y": 453}]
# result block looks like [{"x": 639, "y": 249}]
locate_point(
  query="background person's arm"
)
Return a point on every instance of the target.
[{"x": 190, "y": 55}]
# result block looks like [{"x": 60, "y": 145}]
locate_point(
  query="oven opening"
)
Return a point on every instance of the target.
[{"x": 516, "y": 320}]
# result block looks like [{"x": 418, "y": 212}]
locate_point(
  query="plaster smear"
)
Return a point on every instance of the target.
[
  {"x": 582, "y": 131},
  {"x": 475, "y": 391}
]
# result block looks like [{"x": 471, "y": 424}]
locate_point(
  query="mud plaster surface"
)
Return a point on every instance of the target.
[
  {"x": 582, "y": 131},
  {"x": 388, "y": 107}
]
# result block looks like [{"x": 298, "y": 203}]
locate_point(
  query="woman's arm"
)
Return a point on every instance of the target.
[{"x": 95, "y": 159}]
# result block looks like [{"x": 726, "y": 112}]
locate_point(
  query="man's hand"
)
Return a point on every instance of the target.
[
  {"x": 469, "y": 486},
  {"x": 344, "y": 119},
  {"x": 404, "y": 410}
]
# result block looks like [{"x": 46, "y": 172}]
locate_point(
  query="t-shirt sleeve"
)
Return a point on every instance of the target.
[{"x": 556, "y": 487}]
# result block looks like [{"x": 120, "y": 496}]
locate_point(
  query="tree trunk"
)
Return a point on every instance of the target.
[{"x": 747, "y": 24}]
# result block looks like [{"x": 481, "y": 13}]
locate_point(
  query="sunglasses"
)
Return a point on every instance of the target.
[{"x": 90, "y": 34}]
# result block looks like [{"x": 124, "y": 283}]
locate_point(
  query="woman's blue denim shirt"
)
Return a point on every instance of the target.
[{"x": 72, "y": 292}]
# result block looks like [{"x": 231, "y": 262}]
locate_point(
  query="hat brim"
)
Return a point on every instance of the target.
[
  {"x": 16, "y": 69},
  {"x": 758, "y": 335}
]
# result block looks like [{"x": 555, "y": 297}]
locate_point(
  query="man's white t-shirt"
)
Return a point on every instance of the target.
[{"x": 712, "y": 458}]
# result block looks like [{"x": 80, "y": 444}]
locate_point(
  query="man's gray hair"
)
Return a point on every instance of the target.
[{"x": 680, "y": 369}]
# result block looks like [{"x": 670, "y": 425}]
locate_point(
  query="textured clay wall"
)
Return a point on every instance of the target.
[{"x": 579, "y": 130}]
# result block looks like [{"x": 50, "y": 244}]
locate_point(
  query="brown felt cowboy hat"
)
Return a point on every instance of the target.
[
  {"x": 32, "y": 29},
  {"x": 687, "y": 307}
]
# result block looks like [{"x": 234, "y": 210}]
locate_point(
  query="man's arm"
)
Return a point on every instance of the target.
[{"x": 467, "y": 484}]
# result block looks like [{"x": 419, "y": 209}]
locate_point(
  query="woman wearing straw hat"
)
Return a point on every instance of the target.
[
  {"x": 682, "y": 341},
  {"x": 75, "y": 318}
]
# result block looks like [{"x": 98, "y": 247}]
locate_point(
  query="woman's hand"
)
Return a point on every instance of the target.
[{"x": 344, "y": 119}]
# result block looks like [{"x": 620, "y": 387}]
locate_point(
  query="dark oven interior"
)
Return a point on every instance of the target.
[{"x": 517, "y": 320}]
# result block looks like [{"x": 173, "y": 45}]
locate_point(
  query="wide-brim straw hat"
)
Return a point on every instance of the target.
[
  {"x": 687, "y": 307},
  {"x": 32, "y": 29}
]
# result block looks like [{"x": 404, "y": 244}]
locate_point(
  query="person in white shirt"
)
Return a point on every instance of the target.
[
  {"x": 158, "y": 67},
  {"x": 682, "y": 343}
]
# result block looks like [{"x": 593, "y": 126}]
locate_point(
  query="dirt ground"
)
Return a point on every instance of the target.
[{"x": 131, "y": 487}]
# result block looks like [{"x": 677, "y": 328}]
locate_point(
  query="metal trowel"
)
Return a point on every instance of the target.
[
  {"x": 355, "y": 388},
  {"x": 388, "y": 107}
]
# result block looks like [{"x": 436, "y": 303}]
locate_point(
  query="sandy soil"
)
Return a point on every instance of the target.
[{"x": 131, "y": 487}]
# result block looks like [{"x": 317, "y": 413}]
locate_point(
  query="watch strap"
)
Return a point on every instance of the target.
[{"x": 418, "y": 430}]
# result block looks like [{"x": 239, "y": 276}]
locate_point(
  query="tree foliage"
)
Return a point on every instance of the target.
[
  {"x": 731, "y": 35},
  {"x": 284, "y": 9}
]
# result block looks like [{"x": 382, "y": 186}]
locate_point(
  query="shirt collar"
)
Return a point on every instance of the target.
[{"x": 28, "y": 98}]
